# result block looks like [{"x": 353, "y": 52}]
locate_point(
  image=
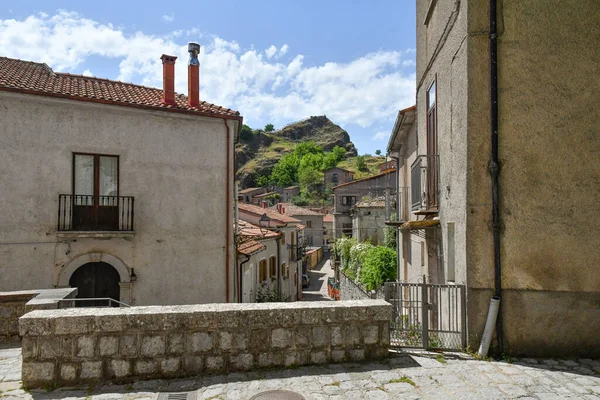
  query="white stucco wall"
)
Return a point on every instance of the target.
[{"x": 174, "y": 166}]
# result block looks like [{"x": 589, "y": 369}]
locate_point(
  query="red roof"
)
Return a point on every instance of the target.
[
  {"x": 328, "y": 218},
  {"x": 274, "y": 215},
  {"x": 250, "y": 247},
  {"x": 248, "y": 229},
  {"x": 39, "y": 79},
  {"x": 291, "y": 210}
]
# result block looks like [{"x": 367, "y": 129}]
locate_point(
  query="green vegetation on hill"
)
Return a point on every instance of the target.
[
  {"x": 258, "y": 151},
  {"x": 371, "y": 164}
]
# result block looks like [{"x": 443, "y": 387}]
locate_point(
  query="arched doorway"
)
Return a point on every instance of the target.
[{"x": 96, "y": 280}]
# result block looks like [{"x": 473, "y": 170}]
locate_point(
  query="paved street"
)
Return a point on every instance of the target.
[
  {"x": 403, "y": 376},
  {"x": 317, "y": 289}
]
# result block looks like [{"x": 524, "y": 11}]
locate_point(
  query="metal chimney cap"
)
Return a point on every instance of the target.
[{"x": 193, "y": 47}]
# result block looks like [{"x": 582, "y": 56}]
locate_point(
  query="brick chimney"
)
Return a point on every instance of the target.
[
  {"x": 194, "y": 75},
  {"x": 168, "y": 79}
]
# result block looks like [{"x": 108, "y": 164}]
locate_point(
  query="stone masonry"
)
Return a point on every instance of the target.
[{"x": 74, "y": 346}]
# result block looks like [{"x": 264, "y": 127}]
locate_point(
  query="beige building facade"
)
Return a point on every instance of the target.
[
  {"x": 128, "y": 200},
  {"x": 547, "y": 119}
]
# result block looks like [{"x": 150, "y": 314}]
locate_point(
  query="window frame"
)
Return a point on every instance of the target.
[
  {"x": 284, "y": 270},
  {"x": 272, "y": 267},
  {"x": 96, "y": 171},
  {"x": 262, "y": 265}
]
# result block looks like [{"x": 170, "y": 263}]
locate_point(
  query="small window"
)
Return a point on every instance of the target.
[
  {"x": 309, "y": 224},
  {"x": 272, "y": 268},
  {"x": 282, "y": 237},
  {"x": 284, "y": 270},
  {"x": 334, "y": 178},
  {"x": 262, "y": 270}
]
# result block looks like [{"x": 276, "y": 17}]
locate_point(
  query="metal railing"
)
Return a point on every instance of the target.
[
  {"x": 70, "y": 303},
  {"x": 95, "y": 213},
  {"x": 296, "y": 252},
  {"x": 425, "y": 183}
]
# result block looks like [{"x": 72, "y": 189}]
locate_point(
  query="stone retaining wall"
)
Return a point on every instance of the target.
[
  {"x": 126, "y": 344},
  {"x": 14, "y": 305},
  {"x": 350, "y": 290}
]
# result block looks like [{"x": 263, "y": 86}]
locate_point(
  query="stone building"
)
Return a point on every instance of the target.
[
  {"x": 312, "y": 221},
  {"x": 346, "y": 195},
  {"x": 248, "y": 195},
  {"x": 503, "y": 165},
  {"x": 121, "y": 190},
  {"x": 368, "y": 221},
  {"x": 337, "y": 176}
]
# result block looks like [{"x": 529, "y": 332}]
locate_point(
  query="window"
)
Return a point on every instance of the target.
[
  {"x": 334, "y": 178},
  {"x": 284, "y": 270},
  {"x": 348, "y": 200},
  {"x": 282, "y": 237},
  {"x": 347, "y": 229},
  {"x": 309, "y": 224},
  {"x": 262, "y": 270},
  {"x": 272, "y": 267}
]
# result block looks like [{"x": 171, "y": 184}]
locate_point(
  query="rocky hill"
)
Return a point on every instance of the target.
[{"x": 256, "y": 154}]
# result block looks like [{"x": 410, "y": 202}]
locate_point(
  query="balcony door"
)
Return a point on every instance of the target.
[
  {"x": 96, "y": 191},
  {"x": 432, "y": 148}
]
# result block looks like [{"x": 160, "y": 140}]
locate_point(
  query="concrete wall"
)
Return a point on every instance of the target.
[
  {"x": 368, "y": 224},
  {"x": 125, "y": 345},
  {"x": 13, "y": 305},
  {"x": 174, "y": 165}
]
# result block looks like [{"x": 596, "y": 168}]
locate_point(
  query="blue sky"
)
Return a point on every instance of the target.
[{"x": 276, "y": 61}]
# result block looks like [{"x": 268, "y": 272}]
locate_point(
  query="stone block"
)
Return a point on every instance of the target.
[
  {"x": 291, "y": 359},
  {"x": 144, "y": 322},
  {"x": 240, "y": 340},
  {"x": 318, "y": 357},
  {"x": 152, "y": 346},
  {"x": 72, "y": 325},
  {"x": 225, "y": 340},
  {"x": 68, "y": 372},
  {"x": 85, "y": 346},
  {"x": 170, "y": 365},
  {"x": 192, "y": 364},
  {"x": 370, "y": 334},
  {"x": 38, "y": 372},
  {"x": 199, "y": 342},
  {"x": 337, "y": 335},
  {"x": 119, "y": 368},
  {"x": 91, "y": 370},
  {"x": 377, "y": 352},
  {"x": 355, "y": 314},
  {"x": 190, "y": 321},
  {"x": 332, "y": 315},
  {"x": 320, "y": 336},
  {"x": 68, "y": 346},
  {"x": 215, "y": 364},
  {"x": 36, "y": 326},
  {"x": 281, "y": 338},
  {"x": 109, "y": 323},
  {"x": 144, "y": 367},
  {"x": 385, "y": 333},
  {"x": 257, "y": 318},
  {"x": 303, "y": 336},
  {"x": 286, "y": 317},
  {"x": 352, "y": 336},
  {"x": 108, "y": 345},
  {"x": 379, "y": 312},
  {"x": 270, "y": 359},
  {"x": 311, "y": 316},
  {"x": 128, "y": 345},
  {"x": 175, "y": 343},
  {"x": 338, "y": 355},
  {"x": 228, "y": 319},
  {"x": 242, "y": 362},
  {"x": 49, "y": 347},
  {"x": 260, "y": 340},
  {"x": 356, "y": 354},
  {"x": 29, "y": 348}
]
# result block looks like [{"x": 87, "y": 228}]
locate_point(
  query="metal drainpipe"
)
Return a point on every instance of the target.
[
  {"x": 241, "y": 299},
  {"x": 278, "y": 267},
  {"x": 494, "y": 168}
]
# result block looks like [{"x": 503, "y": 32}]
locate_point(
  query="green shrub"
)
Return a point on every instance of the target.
[
  {"x": 342, "y": 248},
  {"x": 358, "y": 253},
  {"x": 379, "y": 266}
]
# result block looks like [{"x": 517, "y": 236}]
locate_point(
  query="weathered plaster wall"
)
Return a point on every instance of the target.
[
  {"x": 124, "y": 345},
  {"x": 547, "y": 140},
  {"x": 315, "y": 232},
  {"x": 368, "y": 224},
  {"x": 174, "y": 166}
]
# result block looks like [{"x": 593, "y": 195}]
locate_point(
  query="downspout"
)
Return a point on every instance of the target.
[
  {"x": 227, "y": 216},
  {"x": 278, "y": 268},
  {"x": 236, "y": 234},
  {"x": 494, "y": 168}
]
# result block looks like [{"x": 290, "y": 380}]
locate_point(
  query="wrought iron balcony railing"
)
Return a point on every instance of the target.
[
  {"x": 396, "y": 205},
  {"x": 425, "y": 184},
  {"x": 95, "y": 213}
]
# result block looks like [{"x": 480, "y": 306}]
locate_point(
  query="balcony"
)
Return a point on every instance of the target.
[
  {"x": 396, "y": 206},
  {"x": 425, "y": 181},
  {"x": 95, "y": 216}
]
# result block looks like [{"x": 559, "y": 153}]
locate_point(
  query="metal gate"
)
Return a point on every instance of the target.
[{"x": 427, "y": 316}]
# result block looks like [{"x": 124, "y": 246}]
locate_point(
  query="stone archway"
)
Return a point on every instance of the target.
[{"x": 124, "y": 272}]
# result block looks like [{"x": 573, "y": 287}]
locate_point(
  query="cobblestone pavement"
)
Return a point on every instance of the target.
[
  {"x": 317, "y": 288},
  {"x": 403, "y": 376}
]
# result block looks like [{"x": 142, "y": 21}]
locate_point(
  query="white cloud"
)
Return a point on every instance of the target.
[
  {"x": 168, "y": 17},
  {"x": 368, "y": 90},
  {"x": 270, "y": 52},
  {"x": 87, "y": 72},
  {"x": 382, "y": 136}
]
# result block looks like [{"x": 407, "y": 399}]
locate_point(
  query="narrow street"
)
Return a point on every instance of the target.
[{"x": 317, "y": 288}]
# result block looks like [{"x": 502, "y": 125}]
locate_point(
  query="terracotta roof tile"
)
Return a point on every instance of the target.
[
  {"x": 328, "y": 218},
  {"x": 274, "y": 215},
  {"x": 248, "y": 229},
  {"x": 389, "y": 171},
  {"x": 250, "y": 247},
  {"x": 290, "y": 209},
  {"x": 37, "y": 78}
]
